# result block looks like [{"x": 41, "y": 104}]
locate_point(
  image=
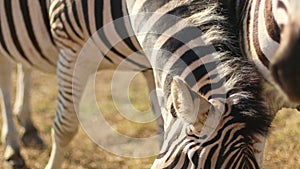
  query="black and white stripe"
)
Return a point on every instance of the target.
[
  {"x": 261, "y": 33},
  {"x": 25, "y": 34},
  {"x": 239, "y": 84},
  {"x": 194, "y": 47},
  {"x": 25, "y": 38},
  {"x": 270, "y": 37}
]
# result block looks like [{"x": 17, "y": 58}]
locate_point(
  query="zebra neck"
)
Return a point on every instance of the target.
[
  {"x": 260, "y": 34},
  {"x": 183, "y": 40}
]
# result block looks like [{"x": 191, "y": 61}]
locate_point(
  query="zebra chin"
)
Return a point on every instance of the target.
[
  {"x": 287, "y": 78},
  {"x": 285, "y": 66},
  {"x": 290, "y": 86}
]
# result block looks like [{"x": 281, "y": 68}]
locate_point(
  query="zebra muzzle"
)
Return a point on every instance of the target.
[{"x": 285, "y": 67}]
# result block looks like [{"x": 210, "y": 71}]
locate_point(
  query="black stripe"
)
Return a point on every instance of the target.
[
  {"x": 86, "y": 15},
  {"x": 57, "y": 126},
  {"x": 64, "y": 44},
  {"x": 220, "y": 131},
  {"x": 46, "y": 19},
  {"x": 187, "y": 160},
  {"x": 99, "y": 14},
  {"x": 69, "y": 21},
  {"x": 231, "y": 161},
  {"x": 107, "y": 58},
  {"x": 272, "y": 27},
  {"x": 60, "y": 103},
  {"x": 221, "y": 156},
  {"x": 198, "y": 73},
  {"x": 75, "y": 14},
  {"x": 237, "y": 157},
  {"x": 2, "y": 42},
  {"x": 173, "y": 43},
  {"x": 282, "y": 5},
  {"x": 117, "y": 13},
  {"x": 62, "y": 94},
  {"x": 260, "y": 54},
  {"x": 179, "y": 153},
  {"x": 64, "y": 65},
  {"x": 209, "y": 158},
  {"x": 9, "y": 16},
  {"x": 196, "y": 157},
  {"x": 152, "y": 5},
  {"x": 245, "y": 30},
  {"x": 99, "y": 24},
  {"x": 29, "y": 27},
  {"x": 149, "y": 7},
  {"x": 213, "y": 86},
  {"x": 64, "y": 30},
  {"x": 164, "y": 23},
  {"x": 180, "y": 38},
  {"x": 172, "y": 140}
]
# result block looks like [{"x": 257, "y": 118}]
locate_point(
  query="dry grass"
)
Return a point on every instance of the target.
[{"x": 282, "y": 149}]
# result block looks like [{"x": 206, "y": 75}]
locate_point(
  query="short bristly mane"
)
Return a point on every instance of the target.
[{"x": 243, "y": 81}]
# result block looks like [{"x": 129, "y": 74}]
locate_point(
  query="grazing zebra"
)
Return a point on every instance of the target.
[
  {"x": 274, "y": 45},
  {"x": 26, "y": 38},
  {"x": 270, "y": 36},
  {"x": 269, "y": 32},
  {"x": 194, "y": 63}
]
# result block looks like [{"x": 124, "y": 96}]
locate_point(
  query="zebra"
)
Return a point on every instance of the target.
[
  {"x": 271, "y": 41},
  {"x": 26, "y": 38},
  {"x": 227, "y": 131},
  {"x": 269, "y": 33},
  {"x": 276, "y": 46}
]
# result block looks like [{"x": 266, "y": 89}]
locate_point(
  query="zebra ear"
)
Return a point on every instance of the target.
[{"x": 189, "y": 105}]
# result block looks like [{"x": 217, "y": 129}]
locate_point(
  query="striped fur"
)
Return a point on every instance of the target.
[
  {"x": 72, "y": 25},
  {"x": 270, "y": 37},
  {"x": 238, "y": 82},
  {"x": 25, "y": 38},
  {"x": 195, "y": 47},
  {"x": 213, "y": 69}
]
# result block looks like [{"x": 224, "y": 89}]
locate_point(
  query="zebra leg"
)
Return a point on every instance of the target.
[
  {"x": 155, "y": 104},
  {"x": 66, "y": 123},
  {"x": 10, "y": 135},
  {"x": 23, "y": 110}
]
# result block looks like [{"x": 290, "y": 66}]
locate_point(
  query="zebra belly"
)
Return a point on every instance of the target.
[{"x": 25, "y": 34}]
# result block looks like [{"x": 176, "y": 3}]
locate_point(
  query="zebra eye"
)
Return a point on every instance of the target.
[{"x": 191, "y": 130}]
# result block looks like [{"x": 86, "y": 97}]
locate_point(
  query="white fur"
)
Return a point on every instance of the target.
[{"x": 190, "y": 110}]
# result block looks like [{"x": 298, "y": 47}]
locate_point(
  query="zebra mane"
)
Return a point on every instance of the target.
[{"x": 243, "y": 82}]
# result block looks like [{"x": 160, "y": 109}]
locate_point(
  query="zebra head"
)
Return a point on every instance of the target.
[
  {"x": 285, "y": 64},
  {"x": 201, "y": 135}
]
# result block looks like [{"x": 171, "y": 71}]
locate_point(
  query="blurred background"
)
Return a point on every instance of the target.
[{"x": 282, "y": 148}]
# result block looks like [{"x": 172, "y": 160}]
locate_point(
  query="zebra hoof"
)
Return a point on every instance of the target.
[
  {"x": 33, "y": 140},
  {"x": 15, "y": 161}
]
